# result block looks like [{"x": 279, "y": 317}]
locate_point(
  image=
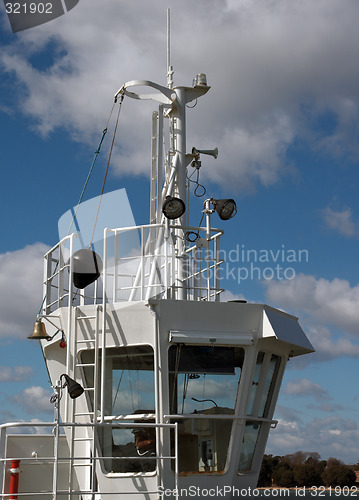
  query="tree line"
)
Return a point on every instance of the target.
[{"x": 305, "y": 469}]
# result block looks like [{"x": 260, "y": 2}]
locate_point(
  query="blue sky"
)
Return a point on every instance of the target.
[{"x": 284, "y": 112}]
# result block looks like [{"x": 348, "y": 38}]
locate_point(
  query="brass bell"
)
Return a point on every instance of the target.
[{"x": 39, "y": 331}]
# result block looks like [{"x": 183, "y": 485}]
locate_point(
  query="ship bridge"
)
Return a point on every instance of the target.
[{"x": 168, "y": 387}]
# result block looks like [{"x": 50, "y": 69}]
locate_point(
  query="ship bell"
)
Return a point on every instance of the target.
[{"x": 39, "y": 331}]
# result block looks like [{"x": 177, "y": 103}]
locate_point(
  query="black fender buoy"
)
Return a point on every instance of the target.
[{"x": 87, "y": 267}]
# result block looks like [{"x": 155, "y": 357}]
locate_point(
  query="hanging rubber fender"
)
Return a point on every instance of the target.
[{"x": 87, "y": 267}]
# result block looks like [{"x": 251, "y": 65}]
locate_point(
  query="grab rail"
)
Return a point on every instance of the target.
[
  {"x": 68, "y": 460},
  {"x": 139, "y": 262}
]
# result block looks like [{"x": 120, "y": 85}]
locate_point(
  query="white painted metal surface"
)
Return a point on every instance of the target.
[{"x": 179, "y": 388}]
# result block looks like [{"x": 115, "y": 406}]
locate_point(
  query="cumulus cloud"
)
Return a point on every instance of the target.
[
  {"x": 275, "y": 69},
  {"x": 305, "y": 387},
  {"x": 329, "y": 436},
  {"x": 227, "y": 296},
  {"x": 326, "y": 302},
  {"x": 341, "y": 221},
  {"x": 15, "y": 374},
  {"x": 328, "y": 407},
  {"x": 20, "y": 289},
  {"x": 34, "y": 400},
  {"x": 328, "y": 346}
]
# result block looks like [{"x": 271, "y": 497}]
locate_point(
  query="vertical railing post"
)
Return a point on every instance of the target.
[
  {"x": 208, "y": 237},
  {"x": 56, "y": 432},
  {"x": 217, "y": 268},
  {"x": 142, "y": 264},
  {"x": 103, "y": 343},
  {"x": 47, "y": 283},
  {"x": 116, "y": 261},
  {"x": 69, "y": 319},
  {"x": 3, "y": 455},
  {"x": 95, "y": 395},
  {"x": 176, "y": 460}
]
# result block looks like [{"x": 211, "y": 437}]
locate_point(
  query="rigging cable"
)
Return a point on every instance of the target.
[
  {"x": 198, "y": 184},
  {"x": 97, "y": 152},
  {"x": 107, "y": 166}
]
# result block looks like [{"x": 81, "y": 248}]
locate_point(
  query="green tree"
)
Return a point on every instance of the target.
[
  {"x": 338, "y": 474},
  {"x": 308, "y": 474},
  {"x": 269, "y": 465},
  {"x": 305, "y": 469},
  {"x": 283, "y": 475}
]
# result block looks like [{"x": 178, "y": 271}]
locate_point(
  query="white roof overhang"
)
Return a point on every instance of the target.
[{"x": 286, "y": 328}]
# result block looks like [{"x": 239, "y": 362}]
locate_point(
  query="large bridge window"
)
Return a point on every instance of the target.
[
  {"x": 203, "y": 381},
  {"x": 129, "y": 390}
]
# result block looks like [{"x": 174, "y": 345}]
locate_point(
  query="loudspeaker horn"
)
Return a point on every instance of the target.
[{"x": 211, "y": 152}]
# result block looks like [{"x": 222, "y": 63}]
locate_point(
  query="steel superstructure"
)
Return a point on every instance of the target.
[{"x": 179, "y": 387}]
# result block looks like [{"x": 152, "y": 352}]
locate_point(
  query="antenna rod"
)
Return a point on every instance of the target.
[{"x": 169, "y": 67}]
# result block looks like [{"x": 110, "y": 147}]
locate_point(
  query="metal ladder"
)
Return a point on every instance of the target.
[
  {"x": 156, "y": 166},
  {"x": 90, "y": 439}
]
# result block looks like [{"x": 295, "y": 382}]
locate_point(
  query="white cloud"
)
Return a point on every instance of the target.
[
  {"x": 330, "y": 436},
  {"x": 20, "y": 289},
  {"x": 286, "y": 436},
  {"x": 341, "y": 221},
  {"x": 227, "y": 296},
  {"x": 34, "y": 400},
  {"x": 326, "y": 407},
  {"x": 259, "y": 152},
  {"x": 326, "y": 302},
  {"x": 301, "y": 387},
  {"x": 328, "y": 346},
  {"x": 273, "y": 67},
  {"x": 15, "y": 374}
]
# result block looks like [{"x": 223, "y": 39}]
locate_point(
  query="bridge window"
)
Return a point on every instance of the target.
[
  {"x": 260, "y": 403},
  {"x": 130, "y": 390},
  {"x": 203, "y": 383}
]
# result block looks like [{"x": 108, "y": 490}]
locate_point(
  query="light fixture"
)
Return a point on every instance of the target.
[
  {"x": 201, "y": 80},
  {"x": 39, "y": 331},
  {"x": 74, "y": 388},
  {"x": 173, "y": 208},
  {"x": 226, "y": 209},
  {"x": 87, "y": 267}
]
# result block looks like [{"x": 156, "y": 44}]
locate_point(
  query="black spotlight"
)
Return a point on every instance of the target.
[
  {"x": 87, "y": 267},
  {"x": 75, "y": 390},
  {"x": 173, "y": 208},
  {"x": 226, "y": 209}
]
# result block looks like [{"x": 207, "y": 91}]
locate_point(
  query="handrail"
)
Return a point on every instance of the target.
[
  {"x": 211, "y": 416},
  {"x": 146, "y": 270},
  {"x": 92, "y": 456}
]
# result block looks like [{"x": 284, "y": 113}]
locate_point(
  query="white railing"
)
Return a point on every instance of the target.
[
  {"x": 50, "y": 467},
  {"x": 154, "y": 260}
]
